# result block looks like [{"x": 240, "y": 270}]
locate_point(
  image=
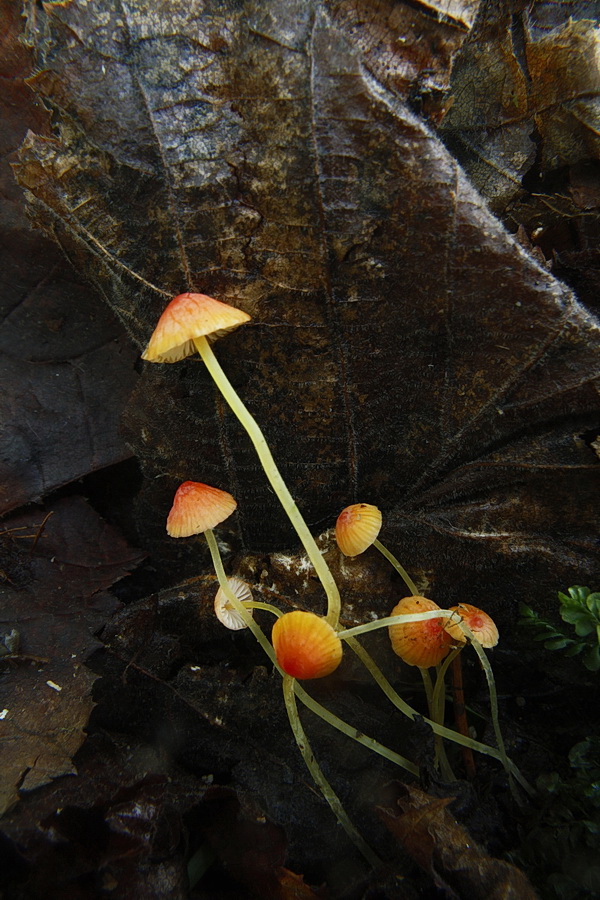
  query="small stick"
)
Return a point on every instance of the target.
[
  {"x": 40, "y": 530},
  {"x": 460, "y": 714}
]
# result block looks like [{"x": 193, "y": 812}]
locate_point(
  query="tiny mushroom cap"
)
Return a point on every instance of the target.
[
  {"x": 226, "y": 614},
  {"x": 306, "y": 646},
  {"x": 483, "y": 626},
  {"x": 197, "y": 507},
  {"x": 357, "y": 527},
  {"x": 422, "y": 644},
  {"x": 190, "y": 316}
]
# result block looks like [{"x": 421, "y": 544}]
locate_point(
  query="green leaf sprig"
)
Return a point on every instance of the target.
[{"x": 580, "y": 608}]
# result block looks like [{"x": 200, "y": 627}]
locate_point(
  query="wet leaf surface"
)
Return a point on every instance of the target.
[
  {"x": 52, "y": 601},
  {"x": 114, "y": 827}
]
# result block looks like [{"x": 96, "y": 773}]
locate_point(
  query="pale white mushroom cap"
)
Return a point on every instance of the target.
[{"x": 224, "y": 611}]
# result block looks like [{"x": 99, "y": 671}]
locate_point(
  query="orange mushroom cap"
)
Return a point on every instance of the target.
[
  {"x": 224, "y": 611},
  {"x": 422, "y": 644},
  {"x": 357, "y": 527},
  {"x": 190, "y": 316},
  {"x": 305, "y": 645},
  {"x": 197, "y": 507},
  {"x": 483, "y": 626}
]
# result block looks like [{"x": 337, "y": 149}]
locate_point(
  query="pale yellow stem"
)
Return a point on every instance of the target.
[
  {"x": 317, "y": 774},
  {"x": 275, "y": 479},
  {"x": 398, "y": 567}
]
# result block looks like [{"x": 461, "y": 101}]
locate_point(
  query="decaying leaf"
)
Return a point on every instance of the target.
[
  {"x": 565, "y": 82},
  {"x": 525, "y": 91},
  {"x": 403, "y": 349},
  {"x": 65, "y": 366},
  {"x": 293, "y": 887},
  {"x": 430, "y": 834},
  {"x": 51, "y": 604},
  {"x": 118, "y": 823},
  {"x": 407, "y": 46},
  {"x": 131, "y": 821}
]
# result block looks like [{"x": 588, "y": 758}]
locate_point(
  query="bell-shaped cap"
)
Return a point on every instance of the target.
[
  {"x": 305, "y": 645},
  {"x": 357, "y": 527},
  {"x": 197, "y": 507},
  {"x": 224, "y": 610},
  {"x": 483, "y": 626},
  {"x": 423, "y": 644},
  {"x": 186, "y": 317}
]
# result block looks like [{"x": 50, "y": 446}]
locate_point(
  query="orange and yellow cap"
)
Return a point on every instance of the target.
[
  {"x": 483, "y": 626},
  {"x": 197, "y": 507},
  {"x": 357, "y": 527},
  {"x": 190, "y": 316},
  {"x": 422, "y": 644},
  {"x": 306, "y": 646}
]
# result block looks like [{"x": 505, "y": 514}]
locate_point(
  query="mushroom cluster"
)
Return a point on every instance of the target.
[{"x": 305, "y": 645}]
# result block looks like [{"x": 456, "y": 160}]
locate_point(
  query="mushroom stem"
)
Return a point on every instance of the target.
[
  {"x": 257, "y": 604},
  {"x": 233, "y": 600},
  {"x": 317, "y": 774},
  {"x": 491, "y": 683},
  {"x": 378, "y": 676},
  {"x": 272, "y": 472},
  {"x": 350, "y": 731},
  {"x": 438, "y": 704},
  {"x": 399, "y": 619},
  {"x": 441, "y": 760},
  {"x": 397, "y": 565},
  {"x": 439, "y": 694}
]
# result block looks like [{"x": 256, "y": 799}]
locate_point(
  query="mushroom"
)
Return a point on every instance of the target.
[
  {"x": 186, "y": 319},
  {"x": 421, "y": 644},
  {"x": 224, "y": 610},
  {"x": 197, "y": 509},
  {"x": 357, "y": 528},
  {"x": 306, "y": 646},
  {"x": 190, "y": 322},
  {"x": 483, "y": 626}
]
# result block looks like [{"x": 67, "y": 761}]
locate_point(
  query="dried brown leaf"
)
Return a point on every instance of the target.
[
  {"x": 447, "y": 852},
  {"x": 404, "y": 349},
  {"x": 565, "y": 91},
  {"x": 524, "y": 92},
  {"x": 407, "y": 45},
  {"x": 51, "y": 604}
]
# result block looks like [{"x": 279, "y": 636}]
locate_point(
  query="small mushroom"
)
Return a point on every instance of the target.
[
  {"x": 197, "y": 508},
  {"x": 357, "y": 527},
  {"x": 423, "y": 644},
  {"x": 483, "y": 626},
  {"x": 224, "y": 610},
  {"x": 306, "y": 646},
  {"x": 187, "y": 317}
]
